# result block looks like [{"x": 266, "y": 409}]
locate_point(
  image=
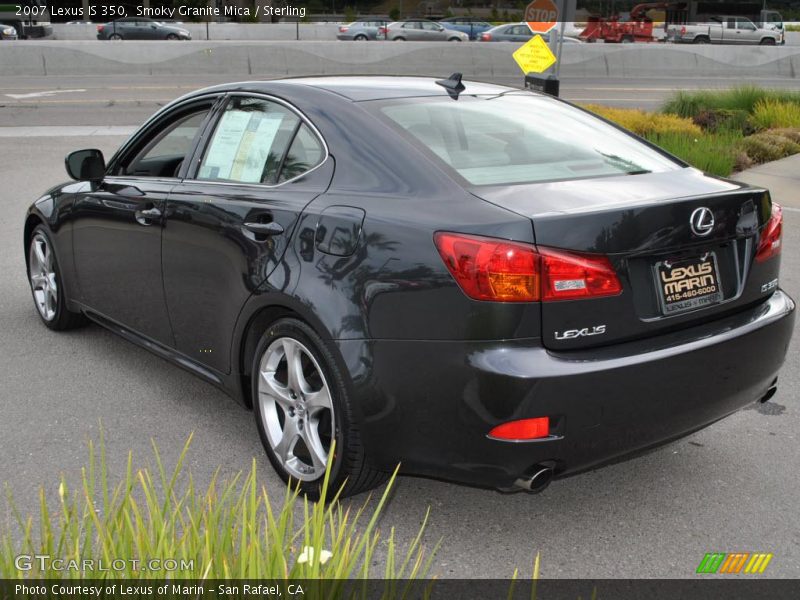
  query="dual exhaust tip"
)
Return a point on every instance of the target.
[{"x": 543, "y": 475}]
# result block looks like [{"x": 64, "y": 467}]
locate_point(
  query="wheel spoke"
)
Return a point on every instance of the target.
[
  {"x": 319, "y": 457},
  {"x": 275, "y": 390},
  {"x": 38, "y": 280},
  {"x": 39, "y": 252},
  {"x": 294, "y": 366},
  {"x": 316, "y": 401},
  {"x": 287, "y": 442}
]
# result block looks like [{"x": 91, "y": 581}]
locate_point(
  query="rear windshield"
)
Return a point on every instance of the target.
[{"x": 519, "y": 137}]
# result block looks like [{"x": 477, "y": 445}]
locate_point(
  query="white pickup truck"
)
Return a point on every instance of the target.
[{"x": 724, "y": 30}]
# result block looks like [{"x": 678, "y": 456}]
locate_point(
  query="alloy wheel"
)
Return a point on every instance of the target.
[
  {"x": 296, "y": 408},
  {"x": 42, "y": 275}
]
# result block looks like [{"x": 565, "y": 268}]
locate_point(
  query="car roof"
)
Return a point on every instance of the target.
[{"x": 370, "y": 87}]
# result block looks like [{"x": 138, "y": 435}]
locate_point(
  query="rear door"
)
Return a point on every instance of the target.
[{"x": 229, "y": 222}]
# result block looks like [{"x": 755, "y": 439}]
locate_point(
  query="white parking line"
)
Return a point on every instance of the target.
[
  {"x": 66, "y": 131},
  {"x": 44, "y": 94}
]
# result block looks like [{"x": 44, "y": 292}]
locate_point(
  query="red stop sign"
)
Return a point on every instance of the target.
[{"x": 541, "y": 15}]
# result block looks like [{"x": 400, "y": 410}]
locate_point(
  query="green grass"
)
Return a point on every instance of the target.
[
  {"x": 711, "y": 152},
  {"x": 793, "y": 28},
  {"x": 230, "y": 529},
  {"x": 772, "y": 114},
  {"x": 744, "y": 98}
]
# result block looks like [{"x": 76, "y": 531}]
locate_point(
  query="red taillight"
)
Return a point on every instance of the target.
[
  {"x": 491, "y": 269},
  {"x": 523, "y": 429},
  {"x": 770, "y": 243},
  {"x": 566, "y": 276},
  {"x": 503, "y": 271},
  {"x": 100, "y": 28},
  {"x": 486, "y": 37},
  {"x": 683, "y": 30},
  {"x": 343, "y": 29},
  {"x": 383, "y": 30}
]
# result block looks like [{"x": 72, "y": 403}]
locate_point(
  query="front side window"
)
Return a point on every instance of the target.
[
  {"x": 519, "y": 137},
  {"x": 249, "y": 142},
  {"x": 164, "y": 152}
]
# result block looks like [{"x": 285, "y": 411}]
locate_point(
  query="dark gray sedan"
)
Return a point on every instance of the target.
[
  {"x": 140, "y": 28},
  {"x": 361, "y": 31}
]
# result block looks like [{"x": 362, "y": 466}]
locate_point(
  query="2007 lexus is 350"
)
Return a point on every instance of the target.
[{"x": 482, "y": 284}]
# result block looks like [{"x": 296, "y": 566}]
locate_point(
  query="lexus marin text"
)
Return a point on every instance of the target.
[{"x": 479, "y": 283}]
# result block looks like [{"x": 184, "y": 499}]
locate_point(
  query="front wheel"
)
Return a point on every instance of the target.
[
  {"x": 172, "y": 37},
  {"x": 301, "y": 408},
  {"x": 47, "y": 285},
  {"x": 767, "y": 42},
  {"x": 454, "y": 39}
]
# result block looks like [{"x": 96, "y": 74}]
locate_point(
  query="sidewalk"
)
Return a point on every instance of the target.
[{"x": 780, "y": 177}]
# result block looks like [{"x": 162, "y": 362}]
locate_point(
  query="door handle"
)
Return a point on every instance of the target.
[
  {"x": 272, "y": 228},
  {"x": 145, "y": 217}
]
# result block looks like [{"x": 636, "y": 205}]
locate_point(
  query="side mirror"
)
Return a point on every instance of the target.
[{"x": 86, "y": 165}]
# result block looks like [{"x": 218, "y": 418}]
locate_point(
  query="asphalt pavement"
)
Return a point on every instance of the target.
[{"x": 731, "y": 487}]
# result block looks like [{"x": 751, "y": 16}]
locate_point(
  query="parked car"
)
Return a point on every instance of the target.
[
  {"x": 140, "y": 28},
  {"x": 496, "y": 290},
  {"x": 724, "y": 30},
  {"x": 360, "y": 31},
  {"x": 469, "y": 25},
  {"x": 421, "y": 30},
  {"x": 7, "y": 32},
  {"x": 517, "y": 32}
]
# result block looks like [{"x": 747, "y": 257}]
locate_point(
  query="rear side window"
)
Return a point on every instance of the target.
[
  {"x": 249, "y": 142},
  {"x": 519, "y": 138},
  {"x": 305, "y": 153}
]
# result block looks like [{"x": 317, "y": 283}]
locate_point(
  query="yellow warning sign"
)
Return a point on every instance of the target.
[{"x": 535, "y": 56}]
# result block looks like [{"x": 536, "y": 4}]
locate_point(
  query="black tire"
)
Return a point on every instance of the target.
[
  {"x": 115, "y": 37},
  {"x": 627, "y": 40},
  {"x": 360, "y": 38},
  {"x": 350, "y": 467},
  {"x": 767, "y": 42},
  {"x": 454, "y": 39},
  {"x": 172, "y": 36},
  {"x": 399, "y": 39},
  {"x": 63, "y": 318},
  {"x": 701, "y": 39}
]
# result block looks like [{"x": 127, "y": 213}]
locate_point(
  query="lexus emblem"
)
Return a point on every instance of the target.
[{"x": 701, "y": 221}]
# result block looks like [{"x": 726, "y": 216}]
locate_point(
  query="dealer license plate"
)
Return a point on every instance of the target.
[{"x": 688, "y": 284}]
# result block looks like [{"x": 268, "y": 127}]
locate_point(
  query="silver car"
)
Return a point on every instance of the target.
[
  {"x": 422, "y": 30},
  {"x": 361, "y": 31},
  {"x": 518, "y": 32},
  {"x": 7, "y": 32}
]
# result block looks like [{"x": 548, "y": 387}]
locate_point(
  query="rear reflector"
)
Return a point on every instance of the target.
[
  {"x": 523, "y": 429},
  {"x": 770, "y": 243},
  {"x": 502, "y": 271}
]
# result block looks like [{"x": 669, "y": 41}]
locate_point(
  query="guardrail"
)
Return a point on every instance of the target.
[{"x": 485, "y": 61}]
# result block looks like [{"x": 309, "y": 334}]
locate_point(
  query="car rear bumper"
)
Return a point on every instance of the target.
[{"x": 430, "y": 404}]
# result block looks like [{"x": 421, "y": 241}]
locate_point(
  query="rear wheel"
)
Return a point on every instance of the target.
[
  {"x": 47, "y": 286},
  {"x": 399, "y": 39},
  {"x": 115, "y": 37},
  {"x": 301, "y": 408},
  {"x": 701, "y": 39}
]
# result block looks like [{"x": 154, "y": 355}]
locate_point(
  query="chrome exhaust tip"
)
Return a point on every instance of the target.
[{"x": 541, "y": 478}]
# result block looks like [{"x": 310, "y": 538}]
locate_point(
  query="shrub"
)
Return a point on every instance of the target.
[
  {"x": 724, "y": 120},
  {"x": 769, "y": 114},
  {"x": 768, "y": 145},
  {"x": 646, "y": 123},
  {"x": 712, "y": 153},
  {"x": 230, "y": 530},
  {"x": 743, "y": 98}
]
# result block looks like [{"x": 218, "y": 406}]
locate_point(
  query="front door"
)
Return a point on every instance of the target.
[
  {"x": 118, "y": 224},
  {"x": 229, "y": 223}
]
